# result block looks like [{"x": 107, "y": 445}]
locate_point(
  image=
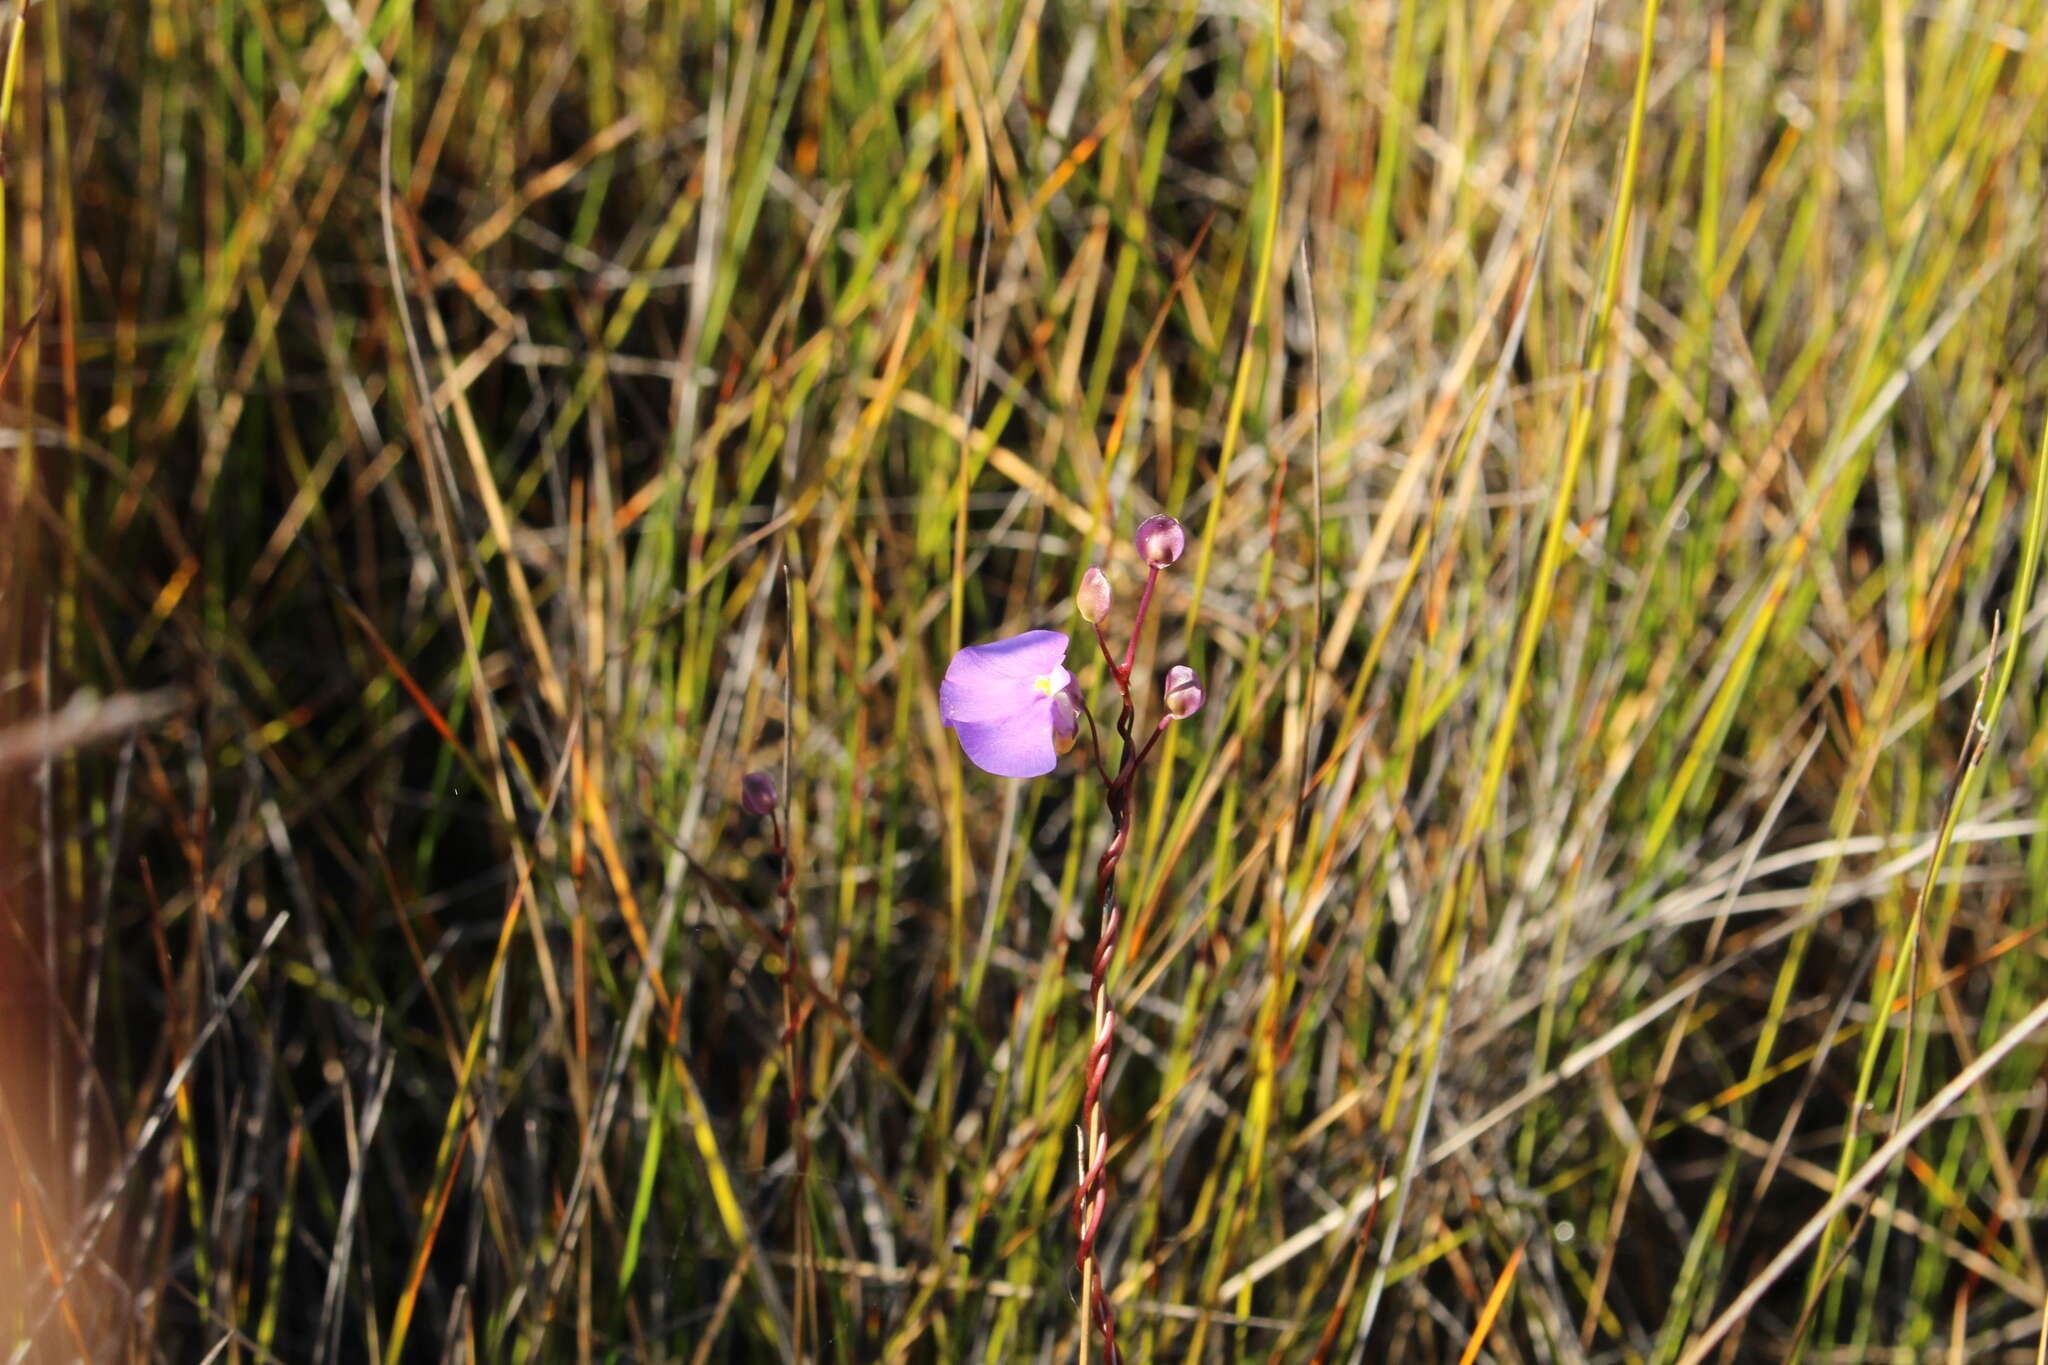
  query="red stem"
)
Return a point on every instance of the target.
[
  {"x": 1091, "y": 1194},
  {"x": 1123, "y": 671}
]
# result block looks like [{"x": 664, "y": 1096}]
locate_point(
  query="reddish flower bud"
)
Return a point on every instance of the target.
[
  {"x": 757, "y": 793},
  {"x": 1093, "y": 598},
  {"x": 1184, "y": 694},
  {"x": 1161, "y": 540}
]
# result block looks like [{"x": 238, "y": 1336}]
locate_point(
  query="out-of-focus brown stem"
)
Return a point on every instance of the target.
[{"x": 794, "y": 1012}]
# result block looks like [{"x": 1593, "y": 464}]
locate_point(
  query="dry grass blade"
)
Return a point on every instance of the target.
[
  {"x": 84, "y": 721},
  {"x": 1612, "y": 442}
]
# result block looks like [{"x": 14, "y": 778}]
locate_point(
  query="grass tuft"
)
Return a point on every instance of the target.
[{"x": 1595, "y": 917}]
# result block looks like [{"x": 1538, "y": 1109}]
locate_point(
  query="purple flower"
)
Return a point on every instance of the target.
[{"x": 998, "y": 698}]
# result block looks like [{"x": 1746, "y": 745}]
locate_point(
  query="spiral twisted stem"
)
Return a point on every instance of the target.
[
  {"x": 1091, "y": 1188},
  {"x": 1091, "y": 1191}
]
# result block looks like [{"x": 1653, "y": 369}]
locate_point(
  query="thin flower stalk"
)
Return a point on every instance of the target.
[
  {"x": 794, "y": 1012},
  {"x": 758, "y": 795},
  {"x": 1017, "y": 710}
]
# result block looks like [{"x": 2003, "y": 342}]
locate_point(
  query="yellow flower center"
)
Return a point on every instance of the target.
[{"x": 1044, "y": 685}]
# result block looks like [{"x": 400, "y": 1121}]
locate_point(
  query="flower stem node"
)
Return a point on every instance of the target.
[
  {"x": 1161, "y": 540},
  {"x": 1093, "y": 597},
  {"x": 1184, "y": 694},
  {"x": 757, "y": 794}
]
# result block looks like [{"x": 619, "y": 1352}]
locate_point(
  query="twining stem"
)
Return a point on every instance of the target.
[{"x": 1091, "y": 1192}]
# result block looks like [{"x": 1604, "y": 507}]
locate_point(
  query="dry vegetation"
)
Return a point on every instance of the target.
[{"x": 1595, "y": 918}]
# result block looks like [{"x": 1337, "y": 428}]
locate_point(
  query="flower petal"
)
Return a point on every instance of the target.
[
  {"x": 1032, "y": 654},
  {"x": 989, "y": 682},
  {"x": 1020, "y": 746},
  {"x": 970, "y": 697}
]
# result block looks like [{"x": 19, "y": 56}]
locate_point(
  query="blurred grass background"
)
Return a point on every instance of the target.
[{"x": 1609, "y": 436}]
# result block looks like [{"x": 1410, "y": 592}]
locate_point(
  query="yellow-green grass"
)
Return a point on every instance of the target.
[{"x": 1594, "y": 917}]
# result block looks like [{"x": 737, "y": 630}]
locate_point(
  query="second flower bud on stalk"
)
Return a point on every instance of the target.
[
  {"x": 1184, "y": 694},
  {"x": 1093, "y": 597}
]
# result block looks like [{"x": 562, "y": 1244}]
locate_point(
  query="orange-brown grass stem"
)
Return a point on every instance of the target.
[{"x": 795, "y": 1011}]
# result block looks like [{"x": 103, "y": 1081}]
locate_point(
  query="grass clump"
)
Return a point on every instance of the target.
[{"x": 1595, "y": 916}]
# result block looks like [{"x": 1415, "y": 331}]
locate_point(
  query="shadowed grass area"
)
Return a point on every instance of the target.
[{"x": 1595, "y": 917}]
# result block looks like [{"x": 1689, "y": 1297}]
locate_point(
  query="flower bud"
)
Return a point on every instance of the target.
[
  {"x": 1093, "y": 598},
  {"x": 1161, "y": 540},
  {"x": 1066, "y": 719},
  {"x": 757, "y": 793},
  {"x": 1184, "y": 695}
]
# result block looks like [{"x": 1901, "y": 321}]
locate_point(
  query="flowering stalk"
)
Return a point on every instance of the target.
[
  {"x": 1160, "y": 542},
  {"x": 1091, "y": 1189},
  {"x": 1016, "y": 710},
  {"x": 758, "y": 796}
]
